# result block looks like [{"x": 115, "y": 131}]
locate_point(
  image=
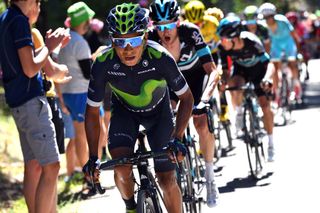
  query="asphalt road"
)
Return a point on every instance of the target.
[{"x": 290, "y": 184}]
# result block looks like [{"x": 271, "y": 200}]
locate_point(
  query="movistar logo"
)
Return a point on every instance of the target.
[
  {"x": 145, "y": 97},
  {"x": 153, "y": 53}
]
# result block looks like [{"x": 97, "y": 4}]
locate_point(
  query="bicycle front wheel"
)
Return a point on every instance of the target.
[
  {"x": 254, "y": 144},
  {"x": 148, "y": 202},
  {"x": 185, "y": 181}
]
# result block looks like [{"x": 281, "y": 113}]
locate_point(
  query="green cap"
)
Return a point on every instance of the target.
[
  {"x": 317, "y": 13},
  {"x": 79, "y": 13}
]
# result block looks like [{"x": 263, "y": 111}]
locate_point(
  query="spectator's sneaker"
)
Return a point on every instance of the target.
[
  {"x": 212, "y": 194},
  {"x": 270, "y": 154},
  {"x": 131, "y": 210}
]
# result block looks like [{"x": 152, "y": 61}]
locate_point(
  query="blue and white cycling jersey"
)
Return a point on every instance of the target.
[{"x": 281, "y": 39}]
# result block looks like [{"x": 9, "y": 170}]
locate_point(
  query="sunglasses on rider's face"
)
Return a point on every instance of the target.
[
  {"x": 169, "y": 26},
  {"x": 123, "y": 42}
]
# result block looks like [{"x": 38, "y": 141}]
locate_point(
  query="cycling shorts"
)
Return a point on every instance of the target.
[
  {"x": 195, "y": 80},
  {"x": 252, "y": 74},
  {"x": 288, "y": 47},
  {"x": 124, "y": 129}
]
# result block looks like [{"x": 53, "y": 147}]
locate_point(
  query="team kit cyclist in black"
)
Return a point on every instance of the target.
[
  {"x": 139, "y": 72},
  {"x": 250, "y": 63},
  {"x": 193, "y": 56}
]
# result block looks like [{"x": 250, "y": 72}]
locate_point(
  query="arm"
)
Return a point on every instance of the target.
[
  {"x": 184, "y": 113},
  {"x": 92, "y": 127},
  {"x": 54, "y": 70},
  {"x": 85, "y": 66},
  {"x": 267, "y": 45},
  {"x": 32, "y": 64},
  {"x": 214, "y": 77},
  {"x": 296, "y": 39}
]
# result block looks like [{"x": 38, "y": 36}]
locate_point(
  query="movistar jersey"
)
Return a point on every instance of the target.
[
  {"x": 194, "y": 51},
  {"x": 252, "y": 53},
  {"x": 140, "y": 88}
]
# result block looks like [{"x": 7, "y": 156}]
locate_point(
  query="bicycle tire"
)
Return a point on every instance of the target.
[
  {"x": 254, "y": 145},
  {"x": 227, "y": 128},
  {"x": 217, "y": 126},
  {"x": 147, "y": 202},
  {"x": 285, "y": 103}
]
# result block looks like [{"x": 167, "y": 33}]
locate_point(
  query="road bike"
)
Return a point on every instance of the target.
[{"x": 253, "y": 130}]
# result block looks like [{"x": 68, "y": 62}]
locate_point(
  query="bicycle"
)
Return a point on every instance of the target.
[
  {"x": 190, "y": 173},
  {"x": 286, "y": 95},
  {"x": 148, "y": 190},
  {"x": 252, "y": 128}
]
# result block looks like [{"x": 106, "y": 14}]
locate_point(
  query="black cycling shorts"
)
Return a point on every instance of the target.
[
  {"x": 195, "y": 80},
  {"x": 254, "y": 74},
  {"x": 124, "y": 129}
]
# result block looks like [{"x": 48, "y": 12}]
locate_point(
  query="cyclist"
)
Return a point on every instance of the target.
[
  {"x": 284, "y": 39},
  {"x": 250, "y": 63},
  {"x": 134, "y": 69},
  {"x": 185, "y": 42},
  {"x": 208, "y": 22},
  {"x": 255, "y": 26}
]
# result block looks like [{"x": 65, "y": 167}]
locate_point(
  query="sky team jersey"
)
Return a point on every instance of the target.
[
  {"x": 194, "y": 51},
  {"x": 283, "y": 31},
  {"x": 209, "y": 32},
  {"x": 140, "y": 88},
  {"x": 252, "y": 53}
]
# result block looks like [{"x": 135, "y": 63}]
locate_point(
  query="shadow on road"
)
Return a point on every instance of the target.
[{"x": 247, "y": 182}]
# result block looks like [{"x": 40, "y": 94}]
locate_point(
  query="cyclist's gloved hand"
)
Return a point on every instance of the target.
[
  {"x": 178, "y": 148},
  {"x": 266, "y": 85},
  {"x": 91, "y": 170}
]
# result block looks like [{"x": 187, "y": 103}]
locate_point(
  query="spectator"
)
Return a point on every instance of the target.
[
  {"x": 77, "y": 56},
  {"x": 24, "y": 94}
]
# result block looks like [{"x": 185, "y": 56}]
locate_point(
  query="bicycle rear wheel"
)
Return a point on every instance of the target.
[
  {"x": 217, "y": 126},
  {"x": 254, "y": 145},
  {"x": 285, "y": 102},
  {"x": 147, "y": 202},
  {"x": 227, "y": 127}
]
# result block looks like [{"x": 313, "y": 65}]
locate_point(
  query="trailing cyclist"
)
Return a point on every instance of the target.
[
  {"x": 284, "y": 40},
  {"x": 134, "y": 69},
  {"x": 253, "y": 25},
  {"x": 185, "y": 42},
  {"x": 250, "y": 63}
]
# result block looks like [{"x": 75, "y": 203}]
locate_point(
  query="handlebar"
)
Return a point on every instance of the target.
[{"x": 137, "y": 157}]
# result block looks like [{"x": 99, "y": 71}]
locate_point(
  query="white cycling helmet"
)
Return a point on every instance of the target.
[{"x": 267, "y": 9}]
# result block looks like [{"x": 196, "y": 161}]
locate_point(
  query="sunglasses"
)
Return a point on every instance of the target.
[
  {"x": 169, "y": 26},
  {"x": 123, "y": 42}
]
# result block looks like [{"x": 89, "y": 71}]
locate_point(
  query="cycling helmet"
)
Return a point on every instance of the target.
[
  {"x": 127, "y": 18},
  {"x": 216, "y": 12},
  {"x": 194, "y": 11},
  {"x": 292, "y": 17},
  {"x": 164, "y": 10},
  {"x": 267, "y": 9},
  {"x": 229, "y": 27},
  {"x": 250, "y": 12}
]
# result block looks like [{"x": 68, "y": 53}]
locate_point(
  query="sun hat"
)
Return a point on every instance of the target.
[{"x": 79, "y": 12}]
